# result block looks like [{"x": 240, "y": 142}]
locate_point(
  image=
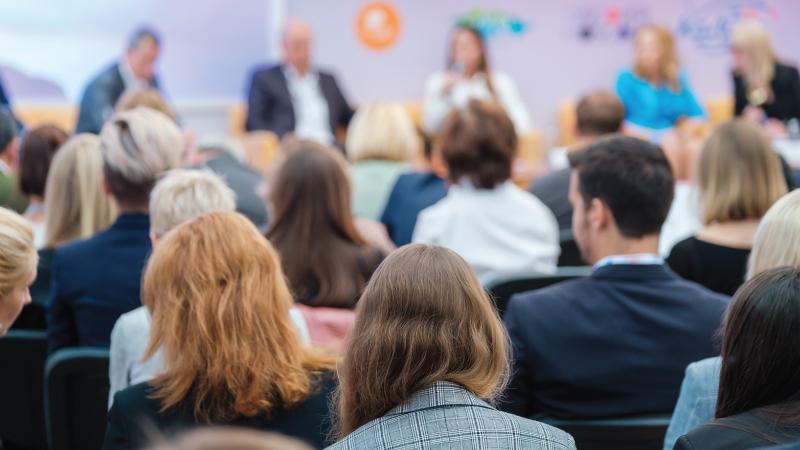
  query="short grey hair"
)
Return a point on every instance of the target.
[
  {"x": 142, "y": 33},
  {"x": 185, "y": 194}
]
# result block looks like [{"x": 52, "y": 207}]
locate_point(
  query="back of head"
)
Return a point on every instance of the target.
[
  {"x": 146, "y": 98},
  {"x": 142, "y": 33},
  {"x": 758, "y": 65},
  {"x": 423, "y": 318},
  {"x": 632, "y": 177},
  {"x": 8, "y": 131},
  {"x": 382, "y": 132},
  {"x": 229, "y": 438},
  {"x": 185, "y": 194},
  {"x": 220, "y": 309},
  {"x": 75, "y": 205},
  {"x": 138, "y": 146},
  {"x": 478, "y": 144},
  {"x": 313, "y": 227},
  {"x": 777, "y": 237},
  {"x": 739, "y": 174},
  {"x": 18, "y": 257},
  {"x": 599, "y": 113},
  {"x": 760, "y": 359},
  {"x": 36, "y": 154}
]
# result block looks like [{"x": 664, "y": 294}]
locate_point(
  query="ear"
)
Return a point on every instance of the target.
[{"x": 599, "y": 215}]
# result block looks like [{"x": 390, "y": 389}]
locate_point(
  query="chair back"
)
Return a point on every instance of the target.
[
  {"x": 23, "y": 353},
  {"x": 644, "y": 432},
  {"x": 76, "y": 398},
  {"x": 502, "y": 290},
  {"x": 570, "y": 255}
]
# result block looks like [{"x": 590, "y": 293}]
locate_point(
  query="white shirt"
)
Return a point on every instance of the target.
[
  {"x": 683, "y": 219},
  {"x": 438, "y": 103},
  {"x": 500, "y": 232},
  {"x": 129, "y": 340},
  {"x": 312, "y": 119},
  {"x": 132, "y": 82}
]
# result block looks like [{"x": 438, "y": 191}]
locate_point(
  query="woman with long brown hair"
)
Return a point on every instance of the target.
[
  {"x": 467, "y": 77},
  {"x": 231, "y": 356},
  {"x": 427, "y": 357},
  {"x": 325, "y": 258}
]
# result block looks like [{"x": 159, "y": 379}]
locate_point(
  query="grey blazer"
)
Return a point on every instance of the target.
[{"x": 447, "y": 416}]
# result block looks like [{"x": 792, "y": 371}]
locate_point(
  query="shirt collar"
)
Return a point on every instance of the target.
[
  {"x": 128, "y": 77},
  {"x": 636, "y": 259},
  {"x": 291, "y": 73},
  {"x": 441, "y": 393}
]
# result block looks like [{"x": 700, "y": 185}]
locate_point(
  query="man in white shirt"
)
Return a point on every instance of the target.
[
  {"x": 295, "y": 97},
  {"x": 135, "y": 71}
]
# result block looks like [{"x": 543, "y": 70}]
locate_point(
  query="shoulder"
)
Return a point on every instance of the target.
[
  {"x": 135, "y": 401},
  {"x": 265, "y": 72},
  {"x": 108, "y": 75},
  {"x": 684, "y": 247},
  {"x": 135, "y": 323},
  {"x": 785, "y": 70},
  {"x": 75, "y": 250},
  {"x": 555, "y": 438},
  {"x": 626, "y": 76},
  {"x": 502, "y": 79},
  {"x": 703, "y": 371},
  {"x": 550, "y": 299},
  {"x": 435, "y": 81}
]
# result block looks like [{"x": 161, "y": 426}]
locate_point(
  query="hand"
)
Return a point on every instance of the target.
[{"x": 753, "y": 114}]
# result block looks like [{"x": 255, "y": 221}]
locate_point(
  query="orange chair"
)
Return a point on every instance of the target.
[{"x": 63, "y": 115}]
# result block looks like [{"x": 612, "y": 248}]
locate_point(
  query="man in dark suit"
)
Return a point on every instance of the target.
[
  {"x": 96, "y": 280},
  {"x": 597, "y": 114},
  {"x": 135, "y": 71},
  {"x": 294, "y": 97},
  {"x": 617, "y": 342},
  {"x": 10, "y": 194}
]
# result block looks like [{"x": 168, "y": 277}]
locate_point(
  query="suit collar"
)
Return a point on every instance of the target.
[
  {"x": 441, "y": 393},
  {"x": 132, "y": 222},
  {"x": 634, "y": 272}
]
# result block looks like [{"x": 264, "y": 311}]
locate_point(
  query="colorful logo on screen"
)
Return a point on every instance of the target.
[
  {"x": 709, "y": 26},
  {"x": 491, "y": 23},
  {"x": 378, "y": 25},
  {"x": 610, "y": 23}
]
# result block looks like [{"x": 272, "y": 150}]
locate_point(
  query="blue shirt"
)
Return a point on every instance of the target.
[
  {"x": 412, "y": 193},
  {"x": 655, "y": 107}
]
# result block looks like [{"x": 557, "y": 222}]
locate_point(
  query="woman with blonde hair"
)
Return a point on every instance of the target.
[
  {"x": 17, "y": 266},
  {"x": 765, "y": 88},
  {"x": 427, "y": 358},
  {"x": 656, "y": 94},
  {"x": 739, "y": 177},
  {"x": 220, "y": 317},
  {"x": 381, "y": 141}
]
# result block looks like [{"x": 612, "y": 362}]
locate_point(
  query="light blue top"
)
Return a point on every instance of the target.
[
  {"x": 655, "y": 107},
  {"x": 373, "y": 181},
  {"x": 697, "y": 402}
]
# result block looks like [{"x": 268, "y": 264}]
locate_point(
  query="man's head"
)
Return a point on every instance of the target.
[
  {"x": 8, "y": 138},
  {"x": 621, "y": 191},
  {"x": 142, "y": 52},
  {"x": 598, "y": 113},
  {"x": 185, "y": 194},
  {"x": 138, "y": 146},
  {"x": 296, "y": 42}
]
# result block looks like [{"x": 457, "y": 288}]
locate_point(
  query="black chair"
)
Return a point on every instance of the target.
[
  {"x": 76, "y": 398},
  {"x": 570, "y": 253},
  {"x": 502, "y": 290},
  {"x": 23, "y": 353},
  {"x": 631, "y": 433}
]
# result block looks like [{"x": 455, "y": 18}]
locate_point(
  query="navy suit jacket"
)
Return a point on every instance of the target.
[
  {"x": 412, "y": 193},
  {"x": 100, "y": 98},
  {"x": 95, "y": 281},
  {"x": 269, "y": 105},
  {"x": 612, "y": 344}
]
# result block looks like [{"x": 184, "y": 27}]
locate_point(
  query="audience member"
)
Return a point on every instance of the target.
[
  {"x": 36, "y": 154},
  {"x": 655, "y": 92},
  {"x": 775, "y": 245},
  {"x": 231, "y": 355},
  {"x": 614, "y": 343},
  {"x": 135, "y": 71},
  {"x": 148, "y": 97},
  {"x": 326, "y": 260},
  {"x": 739, "y": 178},
  {"x": 765, "y": 89},
  {"x": 500, "y": 229},
  {"x": 17, "y": 266},
  {"x": 10, "y": 194},
  {"x": 413, "y": 192},
  {"x": 96, "y": 280},
  {"x": 380, "y": 143},
  {"x": 468, "y": 77},
  {"x": 758, "y": 396},
  {"x": 597, "y": 114},
  {"x": 231, "y": 438},
  {"x": 295, "y": 97},
  {"x": 427, "y": 359}
]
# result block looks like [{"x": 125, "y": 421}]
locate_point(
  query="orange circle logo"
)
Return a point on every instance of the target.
[{"x": 378, "y": 25}]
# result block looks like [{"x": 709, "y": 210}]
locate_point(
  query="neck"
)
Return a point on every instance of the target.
[
  {"x": 626, "y": 246},
  {"x": 302, "y": 71},
  {"x": 131, "y": 209}
]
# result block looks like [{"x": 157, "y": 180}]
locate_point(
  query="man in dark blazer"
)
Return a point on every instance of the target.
[
  {"x": 294, "y": 97},
  {"x": 135, "y": 71},
  {"x": 96, "y": 280},
  {"x": 615, "y": 343}
]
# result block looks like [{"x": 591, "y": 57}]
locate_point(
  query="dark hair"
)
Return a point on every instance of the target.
[
  {"x": 126, "y": 191},
  {"x": 632, "y": 177},
  {"x": 142, "y": 33},
  {"x": 8, "y": 130},
  {"x": 483, "y": 64},
  {"x": 478, "y": 142},
  {"x": 760, "y": 357},
  {"x": 38, "y": 147},
  {"x": 324, "y": 257},
  {"x": 599, "y": 113}
]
